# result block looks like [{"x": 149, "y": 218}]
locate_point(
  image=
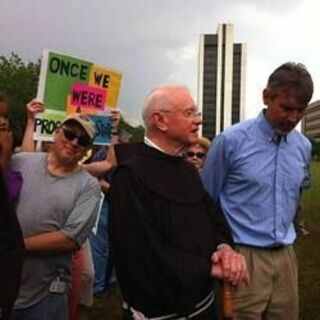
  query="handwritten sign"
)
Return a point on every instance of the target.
[
  {"x": 88, "y": 96},
  {"x": 68, "y": 84}
]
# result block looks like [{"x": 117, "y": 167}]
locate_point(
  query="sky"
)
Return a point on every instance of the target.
[{"x": 154, "y": 42}]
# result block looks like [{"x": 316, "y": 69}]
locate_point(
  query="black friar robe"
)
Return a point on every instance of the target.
[{"x": 164, "y": 228}]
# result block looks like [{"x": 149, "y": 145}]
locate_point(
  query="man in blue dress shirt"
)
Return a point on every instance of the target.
[{"x": 255, "y": 170}]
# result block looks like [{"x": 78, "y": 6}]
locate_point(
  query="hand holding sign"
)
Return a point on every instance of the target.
[
  {"x": 116, "y": 116},
  {"x": 33, "y": 107}
]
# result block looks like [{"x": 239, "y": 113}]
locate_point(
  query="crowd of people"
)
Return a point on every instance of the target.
[{"x": 174, "y": 215}]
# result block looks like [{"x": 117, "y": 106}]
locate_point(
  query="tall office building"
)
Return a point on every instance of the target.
[{"x": 221, "y": 80}]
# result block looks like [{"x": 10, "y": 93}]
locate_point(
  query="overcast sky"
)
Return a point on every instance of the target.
[{"x": 153, "y": 42}]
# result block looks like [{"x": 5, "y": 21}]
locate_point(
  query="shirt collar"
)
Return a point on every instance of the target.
[
  {"x": 150, "y": 143},
  {"x": 267, "y": 129}
]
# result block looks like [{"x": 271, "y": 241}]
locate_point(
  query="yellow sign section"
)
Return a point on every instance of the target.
[{"x": 108, "y": 80}]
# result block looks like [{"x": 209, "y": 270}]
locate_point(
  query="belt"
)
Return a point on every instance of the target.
[
  {"x": 273, "y": 248},
  {"x": 199, "y": 308}
]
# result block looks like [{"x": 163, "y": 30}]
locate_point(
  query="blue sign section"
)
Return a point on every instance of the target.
[{"x": 103, "y": 129}]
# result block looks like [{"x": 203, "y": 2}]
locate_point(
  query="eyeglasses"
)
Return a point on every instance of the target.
[
  {"x": 191, "y": 154},
  {"x": 188, "y": 113},
  {"x": 191, "y": 113},
  {"x": 83, "y": 139}
]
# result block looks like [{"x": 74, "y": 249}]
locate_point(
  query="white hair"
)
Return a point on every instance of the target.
[{"x": 159, "y": 99}]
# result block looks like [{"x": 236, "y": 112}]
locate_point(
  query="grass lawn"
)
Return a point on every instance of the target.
[
  {"x": 308, "y": 254},
  {"x": 307, "y": 249}
]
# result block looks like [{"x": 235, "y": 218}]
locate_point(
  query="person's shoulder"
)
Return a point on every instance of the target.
[
  {"x": 26, "y": 158},
  {"x": 88, "y": 181},
  {"x": 124, "y": 151},
  {"x": 132, "y": 159},
  {"x": 238, "y": 131},
  {"x": 84, "y": 175},
  {"x": 301, "y": 139},
  {"x": 242, "y": 126},
  {"x": 163, "y": 175},
  {"x": 28, "y": 155}
]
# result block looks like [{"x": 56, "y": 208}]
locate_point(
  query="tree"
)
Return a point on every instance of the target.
[
  {"x": 136, "y": 132},
  {"x": 19, "y": 81},
  {"x": 316, "y": 150}
]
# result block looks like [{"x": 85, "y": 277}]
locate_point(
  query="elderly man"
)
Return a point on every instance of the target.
[
  {"x": 168, "y": 237},
  {"x": 56, "y": 210},
  {"x": 255, "y": 170}
]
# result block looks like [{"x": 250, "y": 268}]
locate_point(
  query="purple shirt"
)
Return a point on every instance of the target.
[{"x": 14, "y": 184}]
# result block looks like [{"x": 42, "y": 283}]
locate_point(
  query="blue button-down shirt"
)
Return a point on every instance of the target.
[{"x": 257, "y": 180}]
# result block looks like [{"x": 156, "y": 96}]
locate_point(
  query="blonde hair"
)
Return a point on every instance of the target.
[{"x": 204, "y": 143}]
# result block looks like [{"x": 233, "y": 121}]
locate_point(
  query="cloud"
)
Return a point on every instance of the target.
[
  {"x": 154, "y": 41},
  {"x": 183, "y": 61}
]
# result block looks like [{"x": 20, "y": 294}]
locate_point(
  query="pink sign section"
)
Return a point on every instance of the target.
[{"x": 88, "y": 96}]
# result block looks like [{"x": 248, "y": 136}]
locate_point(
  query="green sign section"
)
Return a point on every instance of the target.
[{"x": 62, "y": 72}]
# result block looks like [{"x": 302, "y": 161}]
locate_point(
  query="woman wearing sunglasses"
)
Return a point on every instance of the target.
[{"x": 196, "y": 153}]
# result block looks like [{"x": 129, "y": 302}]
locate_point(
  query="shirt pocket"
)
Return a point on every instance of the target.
[{"x": 294, "y": 179}]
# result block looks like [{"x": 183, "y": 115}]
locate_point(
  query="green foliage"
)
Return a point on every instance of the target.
[
  {"x": 19, "y": 81},
  {"x": 316, "y": 150},
  {"x": 136, "y": 133}
]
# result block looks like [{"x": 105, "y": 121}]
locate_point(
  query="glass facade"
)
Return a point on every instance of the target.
[{"x": 215, "y": 60}]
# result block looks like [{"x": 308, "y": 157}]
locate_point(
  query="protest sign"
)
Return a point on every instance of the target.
[{"x": 68, "y": 84}]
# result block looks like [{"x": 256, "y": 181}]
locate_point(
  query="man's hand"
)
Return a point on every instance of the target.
[
  {"x": 229, "y": 265},
  {"x": 33, "y": 107},
  {"x": 115, "y": 115},
  {"x": 105, "y": 185}
]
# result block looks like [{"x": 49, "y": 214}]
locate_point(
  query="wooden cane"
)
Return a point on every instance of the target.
[{"x": 227, "y": 302}]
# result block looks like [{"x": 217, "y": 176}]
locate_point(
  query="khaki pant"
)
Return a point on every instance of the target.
[{"x": 273, "y": 290}]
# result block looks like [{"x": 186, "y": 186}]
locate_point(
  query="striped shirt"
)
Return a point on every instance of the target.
[{"x": 257, "y": 180}]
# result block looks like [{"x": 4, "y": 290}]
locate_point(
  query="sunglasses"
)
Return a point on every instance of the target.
[
  {"x": 83, "y": 139},
  {"x": 191, "y": 154}
]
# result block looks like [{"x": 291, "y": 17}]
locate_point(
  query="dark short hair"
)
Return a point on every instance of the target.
[{"x": 292, "y": 77}]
